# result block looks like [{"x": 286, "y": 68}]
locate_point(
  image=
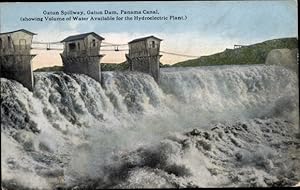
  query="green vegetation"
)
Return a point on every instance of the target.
[
  {"x": 115, "y": 66},
  {"x": 252, "y": 54},
  {"x": 104, "y": 67},
  {"x": 49, "y": 69}
]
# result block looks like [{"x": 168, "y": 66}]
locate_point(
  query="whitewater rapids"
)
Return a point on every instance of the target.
[{"x": 213, "y": 126}]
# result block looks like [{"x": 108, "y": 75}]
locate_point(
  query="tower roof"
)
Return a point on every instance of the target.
[
  {"x": 81, "y": 36},
  {"x": 23, "y": 30},
  {"x": 144, "y": 38}
]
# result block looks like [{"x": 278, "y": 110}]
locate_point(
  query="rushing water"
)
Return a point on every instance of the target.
[{"x": 132, "y": 132}]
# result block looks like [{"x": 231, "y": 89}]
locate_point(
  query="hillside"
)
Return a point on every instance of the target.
[
  {"x": 114, "y": 66},
  {"x": 104, "y": 67},
  {"x": 252, "y": 54},
  {"x": 49, "y": 69}
]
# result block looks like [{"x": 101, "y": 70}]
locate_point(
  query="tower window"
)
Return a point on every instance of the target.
[
  {"x": 22, "y": 43},
  {"x": 78, "y": 44},
  {"x": 153, "y": 44},
  {"x": 9, "y": 41},
  {"x": 94, "y": 43},
  {"x": 72, "y": 46},
  {"x": 1, "y": 43}
]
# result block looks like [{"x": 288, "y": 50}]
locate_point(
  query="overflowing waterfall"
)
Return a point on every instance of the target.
[{"x": 199, "y": 127}]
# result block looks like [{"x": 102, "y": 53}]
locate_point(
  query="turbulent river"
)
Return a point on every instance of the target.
[{"x": 218, "y": 126}]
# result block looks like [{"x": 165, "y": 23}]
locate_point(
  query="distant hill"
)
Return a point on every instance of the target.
[
  {"x": 114, "y": 66},
  {"x": 104, "y": 67},
  {"x": 252, "y": 54},
  {"x": 48, "y": 69}
]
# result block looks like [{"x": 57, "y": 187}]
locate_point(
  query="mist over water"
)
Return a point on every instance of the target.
[{"x": 132, "y": 132}]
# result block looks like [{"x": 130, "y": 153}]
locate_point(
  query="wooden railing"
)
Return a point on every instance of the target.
[
  {"x": 142, "y": 53},
  {"x": 153, "y": 51},
  {"x": 88, "y": 52},
  {"x": 16, "y": 50}
]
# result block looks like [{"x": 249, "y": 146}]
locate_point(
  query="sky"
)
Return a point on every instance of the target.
[{"x": 210, "y": 26}]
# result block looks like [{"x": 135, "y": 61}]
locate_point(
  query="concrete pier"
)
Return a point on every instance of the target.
[
  {"x": 88, "y": 65},
  {"x": 18, "y": 67}
]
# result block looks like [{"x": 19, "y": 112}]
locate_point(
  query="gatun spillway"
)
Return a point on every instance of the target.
[{"x": 214, "y": 126}]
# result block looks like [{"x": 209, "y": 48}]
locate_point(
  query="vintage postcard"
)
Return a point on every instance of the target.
[{"x": 167, "y": 94}]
